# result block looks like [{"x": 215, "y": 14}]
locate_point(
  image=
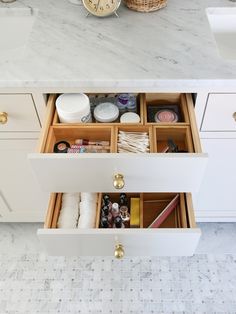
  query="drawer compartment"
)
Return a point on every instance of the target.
[
  {"x": 142, "y": 172},
  {"x": 158, "y": 102},
  {"x": 20, "y": 113},
  {"x": 177, "y": 236},
  {"x": 220, "y": 113},
  {"x": 96, "y": 99}
]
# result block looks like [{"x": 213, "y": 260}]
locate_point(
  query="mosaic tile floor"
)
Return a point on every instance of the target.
[{"x": 31, "y": 282}]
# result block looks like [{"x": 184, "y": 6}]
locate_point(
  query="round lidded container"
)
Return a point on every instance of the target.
[
  {"x": 73, "y": 108},
  {"x": 130, "y": 117},
  {"x": 106, "y": 112},
  {"x": 166, "y": 116}
]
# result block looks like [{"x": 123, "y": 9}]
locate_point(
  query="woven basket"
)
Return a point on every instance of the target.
[{"x": 145, "y": 5}]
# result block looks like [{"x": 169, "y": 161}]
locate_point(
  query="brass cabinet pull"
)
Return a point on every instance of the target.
[
  {"x": 3, "y": 117},
  {"x": 234, "y": 116},
  {"x": 118, "y": 181},
  {"x": 119, "y": 251}
]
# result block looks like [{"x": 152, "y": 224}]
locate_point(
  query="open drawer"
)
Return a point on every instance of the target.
[
  {"x": 142, "y": 172},
  {"x": 177, "y": 236}
]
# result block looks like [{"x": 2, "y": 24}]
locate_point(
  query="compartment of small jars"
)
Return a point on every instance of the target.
[
  {"x": 133, "y": 139},
  {"x": 163, "y": 108},
  {"x": 143, "y": 210},
  {"x": 99, "y": 108},
  {"x": 173, "y": 139},
  {"x": 80, "y": 139}
]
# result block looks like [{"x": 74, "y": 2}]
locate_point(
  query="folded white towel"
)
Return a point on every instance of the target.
[
  {"x": 88, "y": 197},
  {"x": 69, "y": 212}
]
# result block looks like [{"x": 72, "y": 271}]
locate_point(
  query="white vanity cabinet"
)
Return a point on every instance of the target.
[
  {"x": 157, "y": 172},
  {"x": 217, "y": 124},
  {"x": 21, "y": 199}
]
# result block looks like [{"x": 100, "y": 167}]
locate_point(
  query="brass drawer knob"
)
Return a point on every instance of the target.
[
  {"x": 3, "y": 117},
  {"x": 234, "y": 116},
  {"x": 118, "y": 181},
  {"x": 119, "y": 251}
]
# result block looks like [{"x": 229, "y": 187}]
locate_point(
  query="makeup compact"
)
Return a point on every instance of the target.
[
  {"x": 166, "y": 116},
  {"x": 163, "y": 113},
  {"x": 61, "y": 147}
]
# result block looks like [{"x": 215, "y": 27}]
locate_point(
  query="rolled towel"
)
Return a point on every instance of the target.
[
  {"x": 88, "y": 210},
  {"x": 69, "y": 212},
  {"x": 88, "y": 197}
]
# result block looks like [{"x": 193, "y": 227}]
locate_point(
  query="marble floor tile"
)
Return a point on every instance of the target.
[{"x": 32, "y": 282}]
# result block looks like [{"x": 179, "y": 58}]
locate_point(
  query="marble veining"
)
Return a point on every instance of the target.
[
  {"x": 170, "y": 48},
  {"x": 31, "y": 282}
]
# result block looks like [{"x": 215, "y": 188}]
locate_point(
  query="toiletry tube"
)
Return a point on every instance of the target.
[
  {"x": 81, "y": 141},
  {"x": 69, "y": 212}
]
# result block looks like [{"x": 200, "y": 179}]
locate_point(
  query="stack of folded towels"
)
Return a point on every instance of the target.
[{"x": 78, "y": 210}]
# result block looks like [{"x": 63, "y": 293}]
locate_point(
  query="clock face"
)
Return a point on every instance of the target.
[{"x": 101, "y": 7}]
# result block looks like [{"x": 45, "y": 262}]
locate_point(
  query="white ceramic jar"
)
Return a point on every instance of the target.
[
  {"x": 73, "y": 108},
  {"x": 106, "y": 112}
]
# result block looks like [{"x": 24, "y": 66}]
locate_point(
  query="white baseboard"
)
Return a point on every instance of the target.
[{"x": 23, "y": 217}]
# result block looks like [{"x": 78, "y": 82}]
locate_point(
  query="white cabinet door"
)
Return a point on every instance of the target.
[
  {"x": 216, "y": 200},
  {"x": 220, "y": 113},
  {"x": 21, "y": 113},
  {"x": 20, "y": 196}
]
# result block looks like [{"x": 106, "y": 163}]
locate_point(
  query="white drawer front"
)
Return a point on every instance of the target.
[
  {"x": 220, "y": 114},
  {"x": 142, "y": 173},
  {"x": 21, "y": 113},
  {"x": 136, "y": 242}
]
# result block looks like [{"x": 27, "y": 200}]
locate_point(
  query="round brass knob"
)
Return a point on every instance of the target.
[
  {"x": 234, "y": 116},
  {"x": 3, "y": 117},
  {"x": 119, "y": 251},
  {"x": 118, "y": 181}
]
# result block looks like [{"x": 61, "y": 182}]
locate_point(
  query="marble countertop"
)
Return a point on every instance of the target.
[{"x": 171, "y": 49}]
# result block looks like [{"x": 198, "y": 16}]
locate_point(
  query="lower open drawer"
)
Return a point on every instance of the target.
[{"x": 178, "y": 236}]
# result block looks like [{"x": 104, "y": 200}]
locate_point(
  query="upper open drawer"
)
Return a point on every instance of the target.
[{"x": 155, "y": 170}]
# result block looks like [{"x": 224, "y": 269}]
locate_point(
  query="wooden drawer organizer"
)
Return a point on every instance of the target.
[
  {"x": 140, "y": 108},
  {"x": 159, "y": 133},
  {"x": 151, "y": 204},
  {"x": 142, "y": 172}
]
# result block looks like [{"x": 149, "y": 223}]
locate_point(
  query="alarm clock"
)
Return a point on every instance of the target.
[{"x": 101, "y": 8}]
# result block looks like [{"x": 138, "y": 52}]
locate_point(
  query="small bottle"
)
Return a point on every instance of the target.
[
  {"x": 123, "y": 199},
  {"x": 115, "y": 210},
  {"x": 125, "y": 216},
  {"x": 118, "y": 222},
  {"x": 107, "y": 201},
  {"x": 105, "y": 210},
  {"x": 107, "y": 213},
  {"x": 122, "y": 102},
  {"x": 132, "y": 104},
  {"x": 104, "y": 223},
  {"x": 124, "y": 210}
]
